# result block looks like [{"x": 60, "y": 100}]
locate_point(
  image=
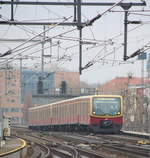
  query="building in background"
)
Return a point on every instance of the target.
[
  {"x": 135, "y": 101},
  {"x": 41, "y": 84},
  {"x": 35, "y": 82},
  {"x": 10, "y": 102},
  {"x": 121, "y": 84},
  {"x": 147, "y": 90},
  {"x": 39, "y": 88},
  {"x": 18, "y": 91}
]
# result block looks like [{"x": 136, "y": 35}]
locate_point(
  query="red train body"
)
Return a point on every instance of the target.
[{"x": 98, "y": 113}]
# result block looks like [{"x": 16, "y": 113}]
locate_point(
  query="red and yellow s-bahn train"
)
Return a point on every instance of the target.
[{"x": 96, "y": 113}]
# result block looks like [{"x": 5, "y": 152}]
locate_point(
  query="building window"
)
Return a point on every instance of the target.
[
  {"x": 13, "y": 84},
  {"x": 16, "y": 119},
  {"x": 40, "y": 86},
  {"x": 15, "y": 109},
  {"x": 12, "y": 100},
  {"x": 11, "y": 92},
  {"x": 5, "y": 109}
]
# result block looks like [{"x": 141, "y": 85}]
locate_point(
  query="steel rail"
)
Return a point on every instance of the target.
[{"x": 116, "y": 146}]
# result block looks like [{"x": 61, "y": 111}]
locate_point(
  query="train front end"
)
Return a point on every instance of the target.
[{"x": 106, "y": 114}]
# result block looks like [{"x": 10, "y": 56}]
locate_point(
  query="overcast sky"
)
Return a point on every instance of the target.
[{"x": 105, "y": 50}]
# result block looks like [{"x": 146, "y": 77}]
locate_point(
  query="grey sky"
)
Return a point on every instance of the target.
[{"x": 107, "y": 33}]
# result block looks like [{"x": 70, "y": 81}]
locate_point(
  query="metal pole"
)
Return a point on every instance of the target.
[
  {"x": 12, "y": 10},
  {"x": 69, "y": 3},
  {"x": 1, "y": 119},
  {"x": 42, "y": 57},
  {"x": 80, "y": 34},
  {"x": 20, "y": 80},
  {"x": 142, "y": 96},
  {"x": 6, "y": 68},
  {"x": 126, "y": 8},
  {"x": 50, "y": 50},
  {"x": 58, "y": 50},
  {"x": 80, "y": 52},
  {"x": 75, "y": 12},
  {"x": 142, "y": 72},
  {"x": 125, "y": 33},
  {"x": 9, "y": 22}
]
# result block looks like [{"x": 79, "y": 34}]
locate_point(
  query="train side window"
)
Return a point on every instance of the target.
[
  {"x": 45, "y": 116},
  {"x": 48, "y": 112},
  {"x": 53, "y": 111},
  {"x": 37, "y": 114},
  {"x": 42, "y": 111},
  {"x": 59, "y": 112},
  {"x": 32, "y": 115}
]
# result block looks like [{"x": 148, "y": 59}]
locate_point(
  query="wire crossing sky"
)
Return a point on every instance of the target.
[{"x": 102, "y": 42}]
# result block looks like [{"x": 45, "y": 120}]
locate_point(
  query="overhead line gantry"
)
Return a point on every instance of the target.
[{"x": 77, "y": 4}]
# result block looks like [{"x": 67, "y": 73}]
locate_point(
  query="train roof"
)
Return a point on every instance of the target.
[{"x": 62, "y": 101}]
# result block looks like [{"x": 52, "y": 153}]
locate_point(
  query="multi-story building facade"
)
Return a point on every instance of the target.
[
  {"x": 21, "y": 89},
  {"x": 10, "y": 95},
  {"x": 35, "y": 82},
  {"x": 45, "y": 83},
  {"x": 40, "y": 88},
  {"x": 135, "y": 101},
  {"x": 51, "y": 82}
]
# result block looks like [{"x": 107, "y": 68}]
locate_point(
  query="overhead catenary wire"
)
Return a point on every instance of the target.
[
  {"x": 140, "y": 51},
  {"x": 84, "y": 39},
  {"x": 60, "y": 37},
  {"x": 97, "y": 58},
  {"x": 75, "y": 38},
  {"x": 90, "y": 22},
  {"x": 100, "y": 59},
  {"x": 15, "y": 49},
  {"x": 104, "y": 61},
  {"x": 140, "y": 14},
  {"x": 58, "y": 15},
  {"x": 63, "y": 37},
  {"x": 43, "y": 19},
  {"x": 38, "y": 43},
  {"x": 12, "y": 59},
  {"x": 130, "y": 11},
  {"x": 6, "y": 31}
]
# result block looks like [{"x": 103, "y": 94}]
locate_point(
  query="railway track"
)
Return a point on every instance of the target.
[
  {"x": 98, "y": 146},
  {"x": 57, "y": 148},
  {"x": 64, "y": 149},
  {"x": 122, "y": 147}
]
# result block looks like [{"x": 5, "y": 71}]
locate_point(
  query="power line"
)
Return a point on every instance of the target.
[
  {"x": 140, "y": 51},
  {"x": 90, "y": 22},
  {"x": 140, "y": 14},
  {"x": 78, "y": 4},
  {"x": 28, "y": 47},
  {"x": 37, "y": 36}
]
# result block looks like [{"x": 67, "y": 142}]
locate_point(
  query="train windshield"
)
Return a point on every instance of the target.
[{"x": 106, "y": 106}]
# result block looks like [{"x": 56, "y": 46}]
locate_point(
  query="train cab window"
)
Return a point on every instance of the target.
[{"x": 106, "y": 106}]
